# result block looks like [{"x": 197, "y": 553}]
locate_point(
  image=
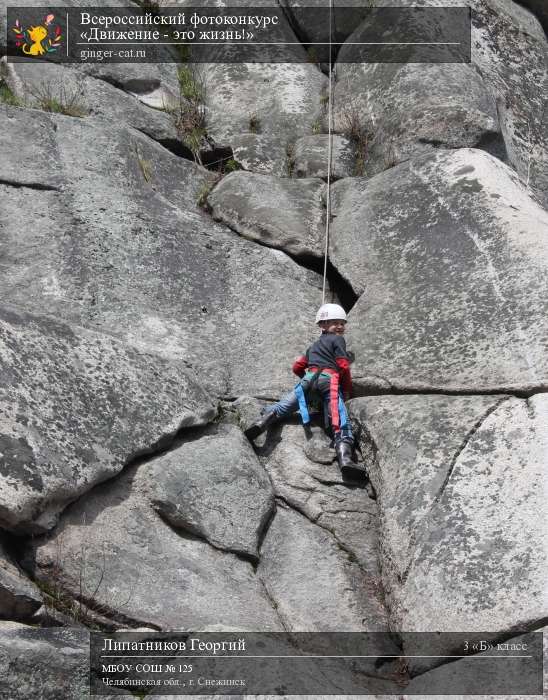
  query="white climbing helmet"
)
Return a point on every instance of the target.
[{"x": 330, "y": 312}]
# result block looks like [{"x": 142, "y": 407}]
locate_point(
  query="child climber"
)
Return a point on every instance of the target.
[{"x": 325, "y": 369}]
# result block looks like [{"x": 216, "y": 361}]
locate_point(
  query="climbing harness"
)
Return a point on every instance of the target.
[
  {"x": 339, "y": 416},
  {"x": 301, "y": 396}
]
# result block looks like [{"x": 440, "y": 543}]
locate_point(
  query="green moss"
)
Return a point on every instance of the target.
[
  {"x": 231, "y": 165},
  {"x": 316, "y": 127},
  {"x": 203, "y": 193},
  {"x": 7, "y": 96}
]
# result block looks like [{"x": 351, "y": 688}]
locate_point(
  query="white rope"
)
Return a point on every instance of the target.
[{"x": 329, "y": 150}]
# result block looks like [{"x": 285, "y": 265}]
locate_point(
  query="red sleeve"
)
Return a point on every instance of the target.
[
  {"x": 300, "y": 365},
  {"x": 346, "y": 377}
]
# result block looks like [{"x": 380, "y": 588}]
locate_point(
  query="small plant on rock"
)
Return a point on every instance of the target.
[
  {"x": 254, "y": 124},
  {"x": 144, "y": 165},
  {"x": 59, "y": 99},
  {"x": 390, "y": 158},
  {"x": 204, "y": 191},
  {"x": 316, "y": 127},
  {"x": 232, "y": 165},
  {"x": 358, "y": 133},
  {"x": 189, "y": 114},
  {"x": 8, "y": 97}
]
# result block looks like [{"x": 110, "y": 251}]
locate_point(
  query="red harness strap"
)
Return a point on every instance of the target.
[
  {"x": 333, "y": 394},
  {"x": 334, "y": 400}
]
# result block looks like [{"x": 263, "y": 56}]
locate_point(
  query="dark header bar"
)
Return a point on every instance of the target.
[
  {"x": 314, "y": 663},
  {"x": 237, "y": 34}
]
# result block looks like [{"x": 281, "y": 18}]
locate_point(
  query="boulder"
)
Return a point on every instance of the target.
[
  {"x": 154, "y": 84},
  {"x": 518, "y": 678},
  {"x": 509, "y": 68},
  {"x": 277, "y": 212},
  {"x": 19, "y": 597},
  {"x": 316, "y": 585},
  {"x": 398, "y": 111},
  {"x": 461, "y": 484},
  {"x": 49, "y": 663},
  {"x": 262, "y": 153},
  {"x": 281, "y": 100},
  {"x": 411, "y": 465},
  {"x": 539, "y": 9},
  {"x": 304, "y": 475},
  {"x": 511, "y": 52},
  {"x": 311, "y": 157},
  {"x": 122, "y": 246},
  {"x": 278, "y": 98},
  {"x": 74, "y": 92},
  {"x": 75, "y": 407},
  {"x": 449, "y": 255},
  {"x": 215, "y": 488},
  {"x": 113, "y": 551}
]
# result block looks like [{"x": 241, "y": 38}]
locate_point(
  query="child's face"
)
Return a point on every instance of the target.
[{"x": 334, "y": 326}]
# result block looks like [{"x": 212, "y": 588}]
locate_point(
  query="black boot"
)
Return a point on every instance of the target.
[
  {"x": 349, "y": 468},
  {"x": 260, "y": 425},
  {"x": 343, "y": 450}
]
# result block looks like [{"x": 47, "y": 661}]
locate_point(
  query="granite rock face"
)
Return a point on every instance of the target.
[
  {"x": 305, "y": 477},
  {"x": 312, "y": 157},
  {"x": 406, "y": 110},
  {"x": 278, "y": 99},
  {"x": 43, "y": 663},
  {"x": 122, "y": 247},
  {"x": 450, "y": 257},
  {"x": 262, "y": 153},
  {"x": 311, "y": 19},
  {"x": 280, "y": 213},
  {"x": 114, "y": 552},
  {"x": 337, "y": 596},
  {"x": 80, "y": 94},
  {"x": 539, "y": 9},
  {"x": 19, "y": 597},
  {"x": 76, "y": 406},
  {"x": 511, "y": 52},
  {"x": 509, "y": 70},
  {"x": 139, "y": 337},
  {"x": 215, "y": 488},
  {"x": 512, "y": 677},
  {"x": 462, "y": 487}
]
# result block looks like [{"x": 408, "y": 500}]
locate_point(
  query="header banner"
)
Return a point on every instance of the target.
[{"x": 239, "y": 34}]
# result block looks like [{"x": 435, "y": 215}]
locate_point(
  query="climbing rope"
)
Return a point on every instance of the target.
[{"x": 329, "y": 151}]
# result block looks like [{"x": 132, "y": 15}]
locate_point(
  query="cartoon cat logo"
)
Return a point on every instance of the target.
[{"x": 33, "y": 40}]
